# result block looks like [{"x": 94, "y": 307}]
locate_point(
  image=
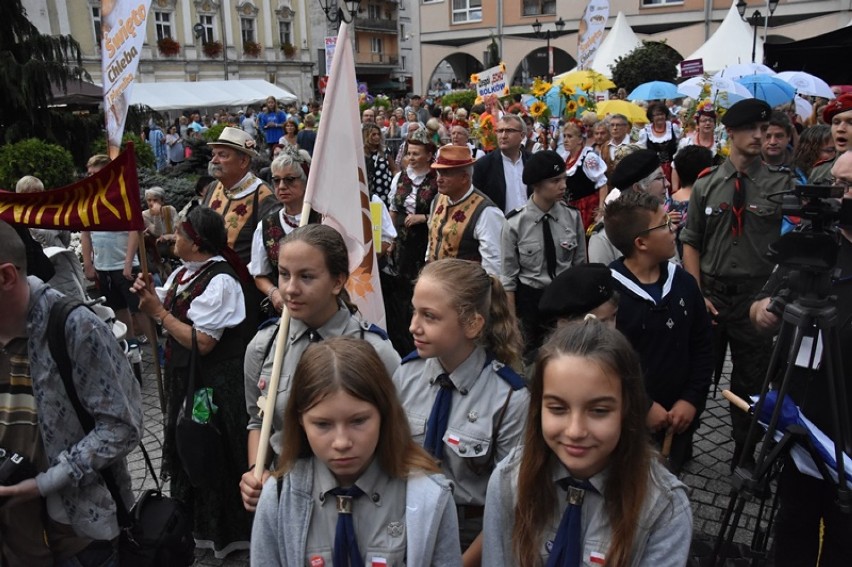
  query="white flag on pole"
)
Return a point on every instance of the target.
[{"x": 337, "y": 185}]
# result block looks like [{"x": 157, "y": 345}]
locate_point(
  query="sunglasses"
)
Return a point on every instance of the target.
[{"x": 287, "y": 181}]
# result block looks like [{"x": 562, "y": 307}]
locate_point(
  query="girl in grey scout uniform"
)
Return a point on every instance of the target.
[
  {"x": 352, "y": 488},
  {"x": 585, "y": 488},
  {"x": 313, "y": 267},
  {"x": 464, "y": 402}
]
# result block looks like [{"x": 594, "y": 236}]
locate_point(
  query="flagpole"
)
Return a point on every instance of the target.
[{"x": 272, "y": 388}]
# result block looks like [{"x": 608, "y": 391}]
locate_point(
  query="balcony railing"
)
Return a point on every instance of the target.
[
  {"x": 389, "y": 25},
  {"x": 376, "y": 59}
]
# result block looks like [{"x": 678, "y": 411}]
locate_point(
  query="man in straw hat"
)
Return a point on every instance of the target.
[
  {"x": 463, "y": 223},
  {"x": 238, "y": 194}
]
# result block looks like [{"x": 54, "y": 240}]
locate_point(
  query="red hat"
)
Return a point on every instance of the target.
[
  {"x": 453, "y": 156},
  {"x": 836, "y": 106}
]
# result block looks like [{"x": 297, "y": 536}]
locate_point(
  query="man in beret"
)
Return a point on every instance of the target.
[
  {"x": 541, "y": 239},
  {"x": 838, "y": 114},
  {"x": 463, "y": 222},
  {"x": 730, "y": 226}
]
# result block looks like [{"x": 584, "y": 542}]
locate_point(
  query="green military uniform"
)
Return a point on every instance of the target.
[
  {"x": 734, "y": 268},
  {"x": 821, "y": 173}
]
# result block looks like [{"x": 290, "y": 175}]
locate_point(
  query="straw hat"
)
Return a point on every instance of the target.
[
  {"x": 237, "y": 139},
  {"x": 453, "y": 156}
]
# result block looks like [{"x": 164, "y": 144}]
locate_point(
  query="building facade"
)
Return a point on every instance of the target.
[
  {"x": 280, "y": 41},
  {"x": 458, "y": 32}
]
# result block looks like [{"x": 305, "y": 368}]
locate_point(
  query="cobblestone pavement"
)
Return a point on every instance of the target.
[{"x": 707, "y": 475}]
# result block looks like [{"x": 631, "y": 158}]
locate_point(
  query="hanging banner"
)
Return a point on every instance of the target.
[
  {"x": 107, "y": 201},
  {"x": 330, "y": 46},
  {"x": 590, "y": 34},
  {"x": 123, "y": 25},
  {"x": 491, "y": 81}
]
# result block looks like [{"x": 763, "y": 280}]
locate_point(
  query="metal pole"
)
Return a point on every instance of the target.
[
  {"x": 754, "y": 45},
  {"x": 224, "y": 39}
]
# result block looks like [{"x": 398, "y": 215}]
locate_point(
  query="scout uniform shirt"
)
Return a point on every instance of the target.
[
  {"x": 523, "y": 250},
  {"x": 708, "y": 227},
  {"x": 260, "y": 354},
  {"x": 482, "y": 399},
  {"x": 378, "y": 517}
]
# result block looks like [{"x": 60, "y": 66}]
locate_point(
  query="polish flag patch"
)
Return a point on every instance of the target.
[
  {"x": 317, "y": 561},
  {"x": 453, "y": 440},
  {"x": 379, "y": 562},
  {"x": 596, "y": 558}
]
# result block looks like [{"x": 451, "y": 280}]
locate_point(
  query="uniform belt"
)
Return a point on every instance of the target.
[
  {"x": 732, "y": 286},
  {"x": 469, "y": 512}
]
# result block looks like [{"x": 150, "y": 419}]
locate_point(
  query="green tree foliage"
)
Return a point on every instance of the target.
[
  {"x": 29, "y": 63},
  {"x": 652, "y": 61},
  {"x": 461, "y": 99},
  {"x": 143, "y": 152},
  {"x": 49, "y": 162}
]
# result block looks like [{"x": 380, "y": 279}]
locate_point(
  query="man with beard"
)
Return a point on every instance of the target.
[{"x": 730, "y": 226}]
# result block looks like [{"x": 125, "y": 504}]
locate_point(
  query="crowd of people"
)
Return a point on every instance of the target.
[{"x": 556, "y": 311}]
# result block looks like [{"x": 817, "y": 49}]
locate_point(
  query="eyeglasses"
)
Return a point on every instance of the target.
[
  {"x": 669, "y": 224},
  {"x": 287, "y": 181},
  {"x": 507, "y": 131}
]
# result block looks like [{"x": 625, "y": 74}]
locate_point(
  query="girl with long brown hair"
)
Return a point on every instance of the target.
[
  {"x": 465, "y": 404},
  {"x": 347, "y": 460},
  {"x": 585, "y": 488}
]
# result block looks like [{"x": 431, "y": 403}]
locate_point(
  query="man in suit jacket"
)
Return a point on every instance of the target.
[{"x": 500, "y": 174}]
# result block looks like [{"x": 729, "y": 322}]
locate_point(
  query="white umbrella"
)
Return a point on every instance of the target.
[
  {"x": 803, "y": 108},
  {"x": 807, "y": 84},
  {"x": 742, "y": 69},
  {"x": 731, "y": 90}
]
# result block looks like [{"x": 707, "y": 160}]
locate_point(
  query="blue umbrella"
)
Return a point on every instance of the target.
[
  {"x": 554, "y": 102},
  {"x": 655, "y": 90},
  {"x": 768, "y": 88}
]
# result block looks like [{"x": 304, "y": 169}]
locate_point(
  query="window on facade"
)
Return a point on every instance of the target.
[
  {"x": 374, "y": 12},
  {"x": 247, "y": 29},
  {"x": 207, "y": 22},
  {"x": 539, "y": 7},
  {"x": 376, "y": 45},
  {"x": 96, "y": 22},
  {"x": 402, "y": 65},
  {"x": 163, "y": 24},
  {"x": 467, "y": 11},
  {"x": 285, "y": 32},
  {"x": 402, "y": 32}
]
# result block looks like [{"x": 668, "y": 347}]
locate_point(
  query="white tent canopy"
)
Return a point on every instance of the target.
[
  {"x": 618, "y": 42},
  {"x": 730, "y": 43},
  {"x": 206, "y": 94}
]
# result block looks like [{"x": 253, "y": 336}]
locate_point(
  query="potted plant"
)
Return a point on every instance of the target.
[
  {"x": 251, "y": 48},
  {"x": 168, "y": 46},
  {"x": 212, "y": 49},
  {"x": 289, "y": 49}
]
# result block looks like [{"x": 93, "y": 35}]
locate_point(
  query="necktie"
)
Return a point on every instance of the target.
[
  {"x": 314, "y": 336},
  {"x": 549, "y": 246},
  {"x": 346, "y": 553},
  {"x": 738, "y": 206},
  {"x": 568, "y": 546},
  {"x": 440, "y": 417}
]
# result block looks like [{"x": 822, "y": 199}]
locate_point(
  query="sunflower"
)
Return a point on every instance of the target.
[
  {"x": 474, "y": 78},
  {"x": 502, "y": 67},
  {"x": 540, "y": 88},
  {"x": 537, "y": 109},
  {"x": 581, "y": 101},
  {"x": 571, "y": 107},
  {"x": 567, "y": 90}
]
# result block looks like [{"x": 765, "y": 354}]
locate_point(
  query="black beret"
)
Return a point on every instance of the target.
[
  {"x": 633, "y": 168},
  {"x": 747, "y": 111},
  {"x": 576, "y": 291},
  {"x": 543, "y": 165}
]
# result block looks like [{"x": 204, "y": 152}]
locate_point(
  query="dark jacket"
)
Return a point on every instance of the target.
[
  {"x": 673, "y": 337},
  {"x": 489, "y": 178}
]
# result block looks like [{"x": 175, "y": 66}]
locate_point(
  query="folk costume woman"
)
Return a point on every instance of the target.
[{"x": 205, "y": 296}]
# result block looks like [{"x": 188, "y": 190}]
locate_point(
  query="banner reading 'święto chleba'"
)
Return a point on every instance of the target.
[{"x": 123, "y": 28}]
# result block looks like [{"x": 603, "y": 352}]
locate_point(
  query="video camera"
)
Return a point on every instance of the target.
[
  {"x": 810, "y": 253},
  {"x": 14, "y": 468}
]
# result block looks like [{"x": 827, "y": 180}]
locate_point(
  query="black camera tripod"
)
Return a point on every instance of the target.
[{"x": 812, "y": 314}]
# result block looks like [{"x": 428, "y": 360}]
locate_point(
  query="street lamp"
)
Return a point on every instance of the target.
[
  {"x": 335, "y": 14},
  {"x": 755, "y": 20},
  {"x": 560, "y": 25}
]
